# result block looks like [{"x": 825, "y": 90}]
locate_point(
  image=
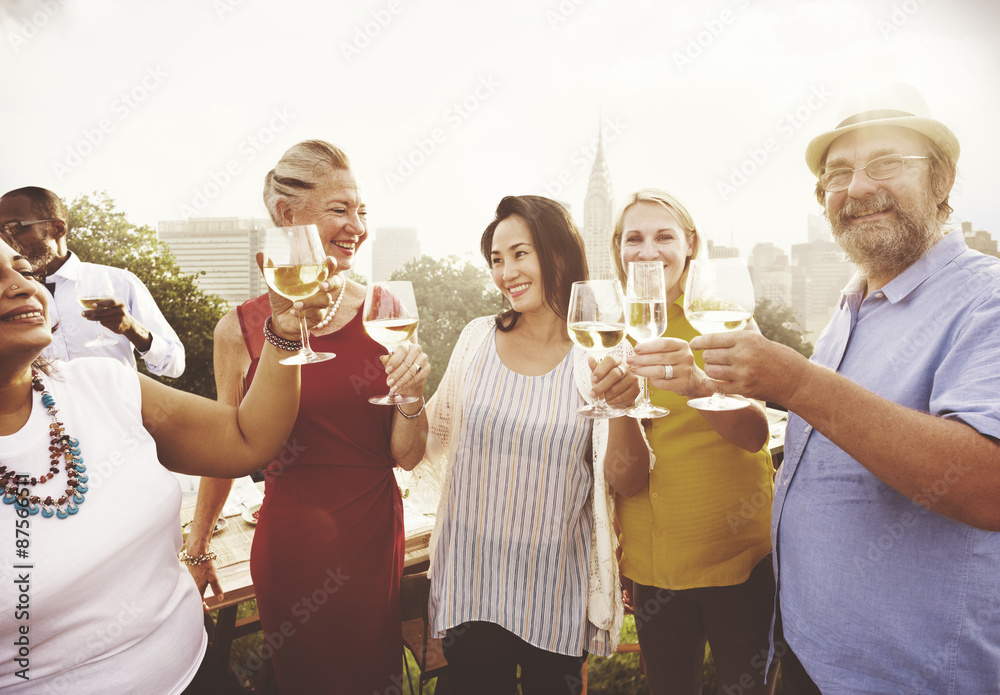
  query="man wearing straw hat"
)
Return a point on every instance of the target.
[{"x": 887, "y": 507}]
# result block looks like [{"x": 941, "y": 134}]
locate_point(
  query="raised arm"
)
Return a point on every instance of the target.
[
  {"x": 945, "y": 465},
  {"x": 407, "y": 370}
]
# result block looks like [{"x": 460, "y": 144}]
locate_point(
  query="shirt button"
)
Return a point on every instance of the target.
[
  {"x": 655, "y": 495},
  {"x": 879, "y": 295},
  {"x": 659, "y": 534}
]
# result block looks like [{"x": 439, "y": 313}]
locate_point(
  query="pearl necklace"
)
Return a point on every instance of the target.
[
  {"x": 16, "y": 486},
  {"x": 333, "y": 311}
]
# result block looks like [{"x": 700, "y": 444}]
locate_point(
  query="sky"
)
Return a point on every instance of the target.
[{"x": 179, "y": 109}]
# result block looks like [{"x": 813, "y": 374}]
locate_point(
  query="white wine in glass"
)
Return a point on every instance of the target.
[
  {"x": 596, "y": 322},
  {"x": 93, "y": 285},
  {"x": 294, "y": 267},
  {"x": 718, "y": 298},
  {"x": 646, "y": 300},
  {"x": 390, "y": 318}
]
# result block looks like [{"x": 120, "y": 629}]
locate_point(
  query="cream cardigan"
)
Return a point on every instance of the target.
[{"x": 432, "y": 477}]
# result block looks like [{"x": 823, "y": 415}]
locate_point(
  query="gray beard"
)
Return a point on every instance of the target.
[{"x": 885, "y": 248}]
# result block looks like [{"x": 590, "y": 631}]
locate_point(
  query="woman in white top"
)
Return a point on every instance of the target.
[
  {"x": 95, "y": 600},
  {"x": 522, "y": 556}
]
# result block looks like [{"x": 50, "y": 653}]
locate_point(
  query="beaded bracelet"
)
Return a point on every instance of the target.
[
  {"x": 410, "y": 417},
  {"x": 188, "y": 560},
  {"x": 279, "y": 342}
]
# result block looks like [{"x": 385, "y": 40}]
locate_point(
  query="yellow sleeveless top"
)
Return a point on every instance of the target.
[{"x": 705, "y": 517}]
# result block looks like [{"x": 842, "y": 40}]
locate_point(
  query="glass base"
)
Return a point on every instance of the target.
[
  {"x": 644, "y": 411},
  {"x": 392, "y": 399},
  {"x": 719, "y": 403},
  {"x": 600, "y": 412},
  {"x": 310, "y": 357},
  {"x": 100, "y": 342}
]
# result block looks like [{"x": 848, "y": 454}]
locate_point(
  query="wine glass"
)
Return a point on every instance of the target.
[
  {"x": 294, "y": 267},
  {"x": 718, "y": 298},
  {"x": 646, "y": 301},
  {"x": 390, "y": 318},
  {"x": 596, "y": 322},
  {"x": 93, "y": 284}
]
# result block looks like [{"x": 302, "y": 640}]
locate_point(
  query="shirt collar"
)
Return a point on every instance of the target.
[
  {"x": 940, "y": 255},
  {"x": 69, "y": 270}
]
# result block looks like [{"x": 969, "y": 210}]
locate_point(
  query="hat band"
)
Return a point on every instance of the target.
[{"x": 872, "y": 116}]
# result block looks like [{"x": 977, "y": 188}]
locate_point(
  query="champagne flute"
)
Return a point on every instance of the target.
[
  {"x": 646, "y": 300},
  {"x": 596, "y": 322},
  {"x": 93, "y": 284},
  {"x": 390, "y": 318},
  {"x": 718, "y": 298},
  {"x": 294, "y": 267}
]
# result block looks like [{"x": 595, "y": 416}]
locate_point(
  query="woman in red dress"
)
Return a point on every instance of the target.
[{"x": 328, "y": 550}]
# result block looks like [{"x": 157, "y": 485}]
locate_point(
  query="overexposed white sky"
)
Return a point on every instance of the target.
[{"x": 179, "y": 109}]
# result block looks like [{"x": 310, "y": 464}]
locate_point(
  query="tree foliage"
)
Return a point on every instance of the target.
[
  {"x": 450, "y": 292},
  {"x": 779, "y": 323},
  {"x": 100, "y": 233}
]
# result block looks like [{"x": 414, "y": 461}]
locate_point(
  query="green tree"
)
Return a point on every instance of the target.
[
  {"x": 100, "y": 233},
  {"x": 450, "y": 292},
  {"x": 779, "y": 323}
]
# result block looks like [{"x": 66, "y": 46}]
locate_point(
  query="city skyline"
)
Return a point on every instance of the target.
[{"x": 179, "y": 110}]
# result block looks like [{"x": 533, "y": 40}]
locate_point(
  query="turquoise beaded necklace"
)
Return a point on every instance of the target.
[{"x": 17, "y": 486}]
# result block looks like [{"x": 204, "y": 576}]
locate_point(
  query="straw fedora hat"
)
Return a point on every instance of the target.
[{"x": 893, "y": 105}]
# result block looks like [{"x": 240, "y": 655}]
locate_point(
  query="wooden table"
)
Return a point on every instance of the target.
[{"x": 232, "y": 545}]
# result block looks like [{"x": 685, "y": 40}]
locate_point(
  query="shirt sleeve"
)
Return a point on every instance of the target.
[{"x": 165, "y": 356}]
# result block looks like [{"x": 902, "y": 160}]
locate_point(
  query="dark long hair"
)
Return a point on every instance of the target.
[{"x": 557, "y": 241}]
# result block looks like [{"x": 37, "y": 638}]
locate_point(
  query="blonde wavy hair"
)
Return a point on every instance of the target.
[{"x": 300, "y": 170}]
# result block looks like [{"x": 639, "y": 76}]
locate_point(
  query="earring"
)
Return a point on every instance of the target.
[{"x": 13, "y": 287}]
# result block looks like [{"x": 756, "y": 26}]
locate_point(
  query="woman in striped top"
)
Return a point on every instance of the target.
[{"x": 522, "y": 556}]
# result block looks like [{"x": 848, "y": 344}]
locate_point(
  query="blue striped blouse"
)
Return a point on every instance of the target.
[{"x": 514, "y": 546}]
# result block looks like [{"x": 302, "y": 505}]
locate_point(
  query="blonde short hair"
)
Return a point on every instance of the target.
[
  {"x": 669, "y": 203},
  {"x": 299, "y": 170}
]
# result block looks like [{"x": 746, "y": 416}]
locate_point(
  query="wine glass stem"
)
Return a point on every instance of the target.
[
  {"x": 645, "y": 393},
  {"x": 304, "y": 332}
]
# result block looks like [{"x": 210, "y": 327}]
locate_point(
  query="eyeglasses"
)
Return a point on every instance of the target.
[
  {"x": 16, "y": 227},
  {"x": 879, "y": 169}
]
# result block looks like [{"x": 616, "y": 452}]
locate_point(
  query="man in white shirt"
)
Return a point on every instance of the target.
[{"x": 34, "y": 219}]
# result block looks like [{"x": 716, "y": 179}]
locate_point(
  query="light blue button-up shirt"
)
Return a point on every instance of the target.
[{"x": 877, "y": 594}]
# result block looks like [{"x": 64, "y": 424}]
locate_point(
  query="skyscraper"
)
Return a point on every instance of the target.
[
  {"x": 392, "y": 248},
  {"x": 223, "y": 248},
  {"x": 597, "y": 217}
]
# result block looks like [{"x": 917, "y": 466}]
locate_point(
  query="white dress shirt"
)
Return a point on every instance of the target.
[{"x": 165, "y": 356}]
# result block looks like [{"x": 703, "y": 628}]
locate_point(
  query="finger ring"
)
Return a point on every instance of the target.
[
  {"x": 668, "y": 371},
  {"x": 622, "y": 370},
  {"x": 419, "y": 368}
]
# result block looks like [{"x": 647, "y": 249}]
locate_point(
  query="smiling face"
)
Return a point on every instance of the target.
[
  {"x": 38, "y": 241},
  {"x": 884, "y": 226},
  {"x": 336, "y": 208},
  {"x": 24, "y": 322},
  {"x": 652, "y": 233},
  {"x": 515, "y": 266}
]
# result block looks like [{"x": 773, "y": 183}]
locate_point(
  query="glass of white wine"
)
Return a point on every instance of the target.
[
  {"x": 646, "y": 301},
  {"x": 718, "y": 298},
  {"x": 390, "y": 318},
  {"x": 93, "y": 284},
  {"x": 596, "y": 322},
  {"x": 294, "y": 267}
]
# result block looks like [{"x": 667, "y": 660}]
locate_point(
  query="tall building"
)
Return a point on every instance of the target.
[
  {"x": 223, "y": 248},
  {"x": 720, "y": 251},
  {"x": 819, "y": 272},
  {"x": 819, "y": 228},
  {"x": 771, "y": 274},
  {"x": 598, "y": 212},
  {"x": 393, "y": 248},
  {"x": 980, "y": 240}
]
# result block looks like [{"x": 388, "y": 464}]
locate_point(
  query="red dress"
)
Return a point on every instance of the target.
[{"x": 328, "y": 550}]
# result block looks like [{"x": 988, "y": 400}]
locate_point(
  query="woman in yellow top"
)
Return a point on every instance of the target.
[{"x": 695, "y": 530}]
